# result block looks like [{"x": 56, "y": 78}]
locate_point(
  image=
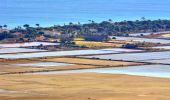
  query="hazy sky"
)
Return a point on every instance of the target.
[{"x": 16, "y": 12}]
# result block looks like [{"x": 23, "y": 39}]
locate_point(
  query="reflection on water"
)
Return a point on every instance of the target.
[
  {"x": 145, "y": 70},
  {"x": 26, "y": 44},
  {"x": 18, "y": 50},
  {"x": 162, "y": 61},
  {"x": 134, "y": 56},
  {"x": 44, "y": 64},
  {"x": 162, "y": 47},
  {"x": 144, "y": 40},
  {"x": 66, "y": 53},
  {"x": 145, "y": 34}
]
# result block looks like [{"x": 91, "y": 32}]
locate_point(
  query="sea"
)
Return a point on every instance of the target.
[{"x": 59, "y": 12}]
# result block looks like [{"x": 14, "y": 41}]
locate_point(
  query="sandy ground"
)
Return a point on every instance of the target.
[
  {"x": 166, "y": 35},
  {"x": 97, "y": 44},
  {"x": 87, "y": 86},
  {"x": 17, "y": 61},
  {"x": 84, "y": 61},
  {"x": 9, "y": 67}
]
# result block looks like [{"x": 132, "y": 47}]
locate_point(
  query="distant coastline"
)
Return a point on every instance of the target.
[
  {"x": 91, "y": 30},
  {"x": 49, "y": 12},
  {"x": 13, "y": 25}
]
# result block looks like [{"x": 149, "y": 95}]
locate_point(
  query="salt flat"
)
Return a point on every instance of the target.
[
  {"x": 134, "y": 56},
  {"x": 161, "y": 61},
  {"x": 43, "y": 64},
  {"x": 66, "y": 53},
  {"x": 18, "y": 50},
  {"x": 162, "y": 47},
  {"x": 143, "y": 40},
  {"x": 145, "y": 34},
  {"x": 26, "y": 44},
  {"x": 162, "y": 71}
]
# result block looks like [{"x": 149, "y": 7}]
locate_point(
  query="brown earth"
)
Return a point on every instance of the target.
[
  {"x": 87, "y": 86},
  {"x": 84, "y": 61},
  {"x": 9, "y": 67}
]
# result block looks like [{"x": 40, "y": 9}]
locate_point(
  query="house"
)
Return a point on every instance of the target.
[
  {"x": 18, "y": 34},
  {"x": 54, "y": 32},
  {"x": 93, "y": 30},
  {"x": 3, "y": 30},
  {"x": 40, "y": 38}
]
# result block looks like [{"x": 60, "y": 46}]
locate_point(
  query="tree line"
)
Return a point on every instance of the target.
[
  {"x": 109, "y": 28},
  {"x": 115, "y": 28}
]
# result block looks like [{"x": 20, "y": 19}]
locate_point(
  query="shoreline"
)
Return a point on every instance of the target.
[{"x": 11, "y": 26}]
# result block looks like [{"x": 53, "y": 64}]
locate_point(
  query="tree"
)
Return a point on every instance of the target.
[
  {"x": 0, "y": 26},
  {"x": 143, "y": 18},
  {"x": 130, "y": 46},
  {"x": 5, "y": 26},
  {"x": 31, "y": 33},
  {"x": 41, "y": 33},
  {"x": 66, "y": 39},
  {"x": 90, "y": 21},
  {"x": 26, "y": 26},
  {"x": 79, "y": 23},
  {"x": 97, "y": 38},
  {"x": 38, "y": 25},
  {"x": 5, "y": 35},
  {"x": 70, "y": 23},
  {"x": 110, "y": 20}
]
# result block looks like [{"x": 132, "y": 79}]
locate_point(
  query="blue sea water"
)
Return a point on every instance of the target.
[{"x": 50, "y": 12}]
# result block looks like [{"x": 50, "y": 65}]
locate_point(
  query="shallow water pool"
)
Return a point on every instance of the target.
[
  {"x": 134, "y": 56},
  {"x": 162, "y": 41},
  {"x": 66, "y": 53},
  {"x": 18, "y": 50},
  {"x": 162, "y": 71},
  {"x": 43, "y": 64}
]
